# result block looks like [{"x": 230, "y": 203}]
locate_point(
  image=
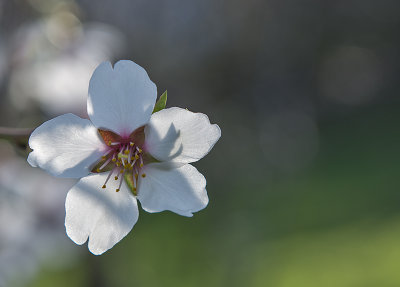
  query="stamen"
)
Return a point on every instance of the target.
[
  {"x": 108, "y": 177},
  {"x": 143, "y": 175},
  {"x": 120, "y": 183},
  {"x": 141, "y": 161},
  {"x": 129, "y": 155},
  {"x": 110, "y": 150},
  {"x": 105, "y": 163},
  {"x": 131, "y": 144}
]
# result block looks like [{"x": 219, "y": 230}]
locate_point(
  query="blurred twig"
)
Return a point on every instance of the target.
[
  {"x": 18, "y": 137},
  {"x": 14, "y": 132}
]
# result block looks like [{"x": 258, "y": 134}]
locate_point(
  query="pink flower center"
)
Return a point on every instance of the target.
[{"x": 123, "y": 159}]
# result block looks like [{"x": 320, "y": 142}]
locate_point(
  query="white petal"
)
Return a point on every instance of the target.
[
  {"x": 102, "y": 215},
  {"x": 179, "y": 135},
  {"x": 121, "y": 99},
  {"x": 181, "y": 190},
  {"x": 66, "y": 146}
]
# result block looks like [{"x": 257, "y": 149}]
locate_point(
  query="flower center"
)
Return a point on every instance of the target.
[{"x": 124, "y": 158}]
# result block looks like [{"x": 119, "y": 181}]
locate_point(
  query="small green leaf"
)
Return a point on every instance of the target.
[
  {"x": 130, "y": 182},
  {"x": 161, "y": 103}
]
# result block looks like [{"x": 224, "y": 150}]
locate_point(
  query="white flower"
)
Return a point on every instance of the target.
[{"x": 124, "y": 140}]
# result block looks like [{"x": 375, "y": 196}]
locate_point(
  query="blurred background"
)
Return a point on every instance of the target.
[{"x": 304, "y": 184}]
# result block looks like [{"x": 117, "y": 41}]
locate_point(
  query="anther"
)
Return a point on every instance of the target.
[
  {"x": 103, "y": 157},
  {"x": 132, "y": 144},
  {"x": 141, "y": 162},
  {"x": 126, "y": 151},
  {"x": 117, "y": 190},
  {"x": 116, "y": 178},
  {"x": 143, "y": 175},
  {"x": 104, "y": 186}
]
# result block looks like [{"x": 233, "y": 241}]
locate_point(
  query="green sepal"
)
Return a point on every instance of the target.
[
  {"x": 130, "y": 182},
  {"x": 161, "y": 103}
]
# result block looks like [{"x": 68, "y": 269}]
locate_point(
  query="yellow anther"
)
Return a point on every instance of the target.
[
  {"x": 126, "y": 152},
  {"x": 132, "y": 144},
  {"x": 109, "y": 142},
  {"x": 98, "y": 169},
  {"x": 121, "y": 171},
  {"x": 141, "y": 165},
  {"x": 136, "y": 156},
  {"x": 139, "y": 150},
  {"x": 103, "y": 157},
  {"x": 104, "y": 186},
  {"x": 116, "y": 177},
  {"x": 117, "y": 190},
  {"x": 118, "y": 163},
  {"x": 143, "y": 175},
  {"x": 114, "y": 159}
]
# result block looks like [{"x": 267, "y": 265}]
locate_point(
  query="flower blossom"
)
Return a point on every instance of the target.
[{"x": 124, "y": 153}]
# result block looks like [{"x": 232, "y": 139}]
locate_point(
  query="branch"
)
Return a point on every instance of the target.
[{"x": 15, "y": 132}]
